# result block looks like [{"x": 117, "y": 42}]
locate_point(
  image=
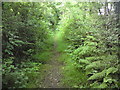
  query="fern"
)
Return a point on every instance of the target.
[
  {"x": 95, "y": 84},
  {"x": 83, "y": 61},
  {"x": 103, "y": 85},
  {"x": 99, "y": 75},
  {"x": 94, "y": 58},
  {"x": 111, "y": 70},
  {"x": 94, "y": 65},
  {"x": 109, "y": 80}
]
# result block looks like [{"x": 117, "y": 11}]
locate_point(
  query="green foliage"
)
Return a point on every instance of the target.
[
  {"x": 27, "y": 41},
  {"x": 18, "y": 76},
  {"x": 92, "y": 45},
  {"x": 72, "y": 76},
  {"x": 88, "y": 42},
  {"x": 111, "y": 70},
  {"x": 42, "y": 57},
  {"x": 98, "y": 75}
]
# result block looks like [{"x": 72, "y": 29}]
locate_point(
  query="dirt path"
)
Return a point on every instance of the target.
[{"x": 53, "y": 76}]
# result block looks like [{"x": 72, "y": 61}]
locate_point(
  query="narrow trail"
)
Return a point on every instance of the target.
[{"x": 53, "y": 76}]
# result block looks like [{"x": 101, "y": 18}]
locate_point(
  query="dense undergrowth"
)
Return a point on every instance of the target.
[
  {"x": 88, "y": 44},
  {"x": 93, "y": 49},
  {"x": 27, "y": 43}
]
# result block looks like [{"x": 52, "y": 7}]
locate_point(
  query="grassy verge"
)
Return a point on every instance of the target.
[
  {"x": 72, "y": 77},
  {"x": 36, "y": 76}
]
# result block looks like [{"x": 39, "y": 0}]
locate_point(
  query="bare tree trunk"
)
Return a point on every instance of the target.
[
  {"x": 117, "y": 10},
  {"x": 105, "y": 8}
]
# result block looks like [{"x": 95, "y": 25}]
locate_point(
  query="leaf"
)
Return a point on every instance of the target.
[
  {"x": 98, "y": 75},
  {"x": 111, "y": 70},
  {"x": 103, "y": 85},
  {"x": 9, "y": 52},
  {"x": 84, "y": 61},
  {"x": 95, "y": 84},
  {"x": 109, "y": 79},
  {"x": 19, "y": 41},
  {"x": 93, "y": 65}
]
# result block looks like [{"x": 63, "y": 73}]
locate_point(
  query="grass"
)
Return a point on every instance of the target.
[
  {"x": 37, "y": 77},
  {"x": 72, "y": 77},
  {"x": 42, "y": 57},
  {"x": 70, "y": 74}
]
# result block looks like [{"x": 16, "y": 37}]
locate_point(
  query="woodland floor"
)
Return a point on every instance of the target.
[{"x": 53, "y": 75}]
